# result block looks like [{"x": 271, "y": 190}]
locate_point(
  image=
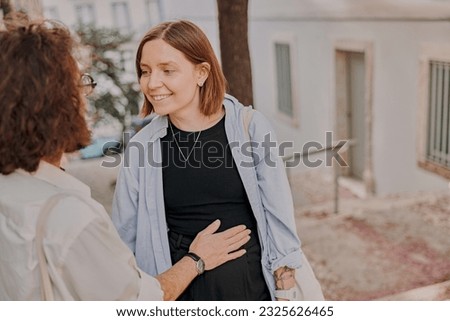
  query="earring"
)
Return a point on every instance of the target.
[{"x": 200, "y": 84}]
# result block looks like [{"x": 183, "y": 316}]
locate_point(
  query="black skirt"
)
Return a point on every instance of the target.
[{"x": 237, "y": 280}]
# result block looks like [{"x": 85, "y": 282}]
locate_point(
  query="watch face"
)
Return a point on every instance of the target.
[{"x": 200, "y": 266}]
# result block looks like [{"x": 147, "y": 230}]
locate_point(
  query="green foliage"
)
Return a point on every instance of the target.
[
  {"x": 117, "y": 93},
  {"x": 5, "y": 6}
]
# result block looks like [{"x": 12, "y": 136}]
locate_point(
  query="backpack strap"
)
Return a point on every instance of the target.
[{"x": 246, "y": 118}]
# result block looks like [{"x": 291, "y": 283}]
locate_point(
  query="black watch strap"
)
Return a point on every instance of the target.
[
  {"x": 199, "y": 264},
  {"x": 194, "y": 256}
]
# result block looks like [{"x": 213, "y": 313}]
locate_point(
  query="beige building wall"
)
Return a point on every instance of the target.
[{"x": 397, "y": 31}]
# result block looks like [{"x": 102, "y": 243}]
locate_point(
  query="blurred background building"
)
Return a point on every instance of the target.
[{"x": 375, "y": 72}]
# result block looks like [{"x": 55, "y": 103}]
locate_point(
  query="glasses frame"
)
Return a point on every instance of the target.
[{"x": 87, "y": 83}]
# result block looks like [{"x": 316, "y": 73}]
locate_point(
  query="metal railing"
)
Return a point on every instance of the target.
[{"x": 341, "y": 146}]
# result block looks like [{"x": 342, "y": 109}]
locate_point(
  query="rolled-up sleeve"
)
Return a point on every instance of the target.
[{"x": 283, "y": 244}]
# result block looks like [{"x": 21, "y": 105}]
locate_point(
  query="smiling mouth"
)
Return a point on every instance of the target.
[{"x": 159, "y": 97}]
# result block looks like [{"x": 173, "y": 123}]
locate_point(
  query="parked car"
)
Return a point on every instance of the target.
[
  {"x": 100, "y": 147},
  {"x": 103, "y": 146}
]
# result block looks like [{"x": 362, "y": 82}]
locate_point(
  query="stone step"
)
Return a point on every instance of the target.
[{"x": 434, "y": 292}]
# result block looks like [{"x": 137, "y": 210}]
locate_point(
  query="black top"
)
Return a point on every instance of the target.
[{"x": 207, "y": 186}]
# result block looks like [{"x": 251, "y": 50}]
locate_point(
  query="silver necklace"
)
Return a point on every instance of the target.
[{"x": 178, "y": 145}]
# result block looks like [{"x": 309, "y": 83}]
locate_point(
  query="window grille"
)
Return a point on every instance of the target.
[
  {"x": 121, "y": 16},
  {"x": 438, "y": 142},
  {"x": 284, "y": 80},
  {"x": 85, "y": 13}
]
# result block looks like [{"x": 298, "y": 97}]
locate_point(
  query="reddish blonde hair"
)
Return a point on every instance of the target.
[
  {"x": 41, "y": 107},
  {"x": 188, "y": 38}
]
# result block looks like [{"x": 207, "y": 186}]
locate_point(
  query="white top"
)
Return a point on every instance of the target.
[{"x": 86, "y": 258}]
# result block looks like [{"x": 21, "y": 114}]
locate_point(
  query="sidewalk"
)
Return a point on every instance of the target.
[{"x": 387, "y": 248}]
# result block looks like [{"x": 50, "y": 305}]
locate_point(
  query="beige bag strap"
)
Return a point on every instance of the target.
[
  {"x": 247, "y": 117},
  {"x": 46, "y": 286}
]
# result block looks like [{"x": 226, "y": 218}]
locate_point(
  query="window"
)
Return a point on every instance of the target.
[
  {"x": 438, "y": 140},
  {"x": 283, "y": 76},
  {"x": 85, "y": 13},
  {"x": 433, "y": 141},
  {"x": 284, "y": 80},
  {"x": 153, "y": 11},
  {"x": 121, "y": 16}
]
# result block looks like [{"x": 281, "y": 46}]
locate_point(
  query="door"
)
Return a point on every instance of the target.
[{"x": 356, "y": 112}]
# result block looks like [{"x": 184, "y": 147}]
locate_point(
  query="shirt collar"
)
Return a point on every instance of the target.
[{"x": 57, "y": 177}]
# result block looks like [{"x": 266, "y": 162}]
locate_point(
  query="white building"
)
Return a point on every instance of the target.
[
  {"x": 135, "y": 16},
  {"x": 377, "y": 72},
  {"x": 373, "y": 71}
]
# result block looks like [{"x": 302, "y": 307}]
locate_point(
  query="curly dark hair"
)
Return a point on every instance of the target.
[{"x": 41, "y": 104}]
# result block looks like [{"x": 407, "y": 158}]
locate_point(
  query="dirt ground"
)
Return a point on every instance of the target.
[
  {"x": 395, "y": 247},
  {"x": 375, "y": 248}
]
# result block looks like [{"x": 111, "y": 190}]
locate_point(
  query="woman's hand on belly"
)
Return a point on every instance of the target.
[{"x": 217, "y": 248}]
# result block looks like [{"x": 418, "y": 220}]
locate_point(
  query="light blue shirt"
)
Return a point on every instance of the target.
[{"x": 138, "y": 207}]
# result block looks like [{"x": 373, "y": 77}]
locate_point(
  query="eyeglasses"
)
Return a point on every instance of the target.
[{"x": 87, "y": 84}]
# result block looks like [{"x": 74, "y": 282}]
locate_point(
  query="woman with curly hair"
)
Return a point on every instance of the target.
[{"x": 42, "y": 108}]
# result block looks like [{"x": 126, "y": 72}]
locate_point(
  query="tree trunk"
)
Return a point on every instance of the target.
[
  {"x": 5, "y": 6},
  {"x": 233, "y": 29}
]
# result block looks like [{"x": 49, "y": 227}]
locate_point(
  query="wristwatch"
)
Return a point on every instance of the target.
[{"x": 199, "y": 263}]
